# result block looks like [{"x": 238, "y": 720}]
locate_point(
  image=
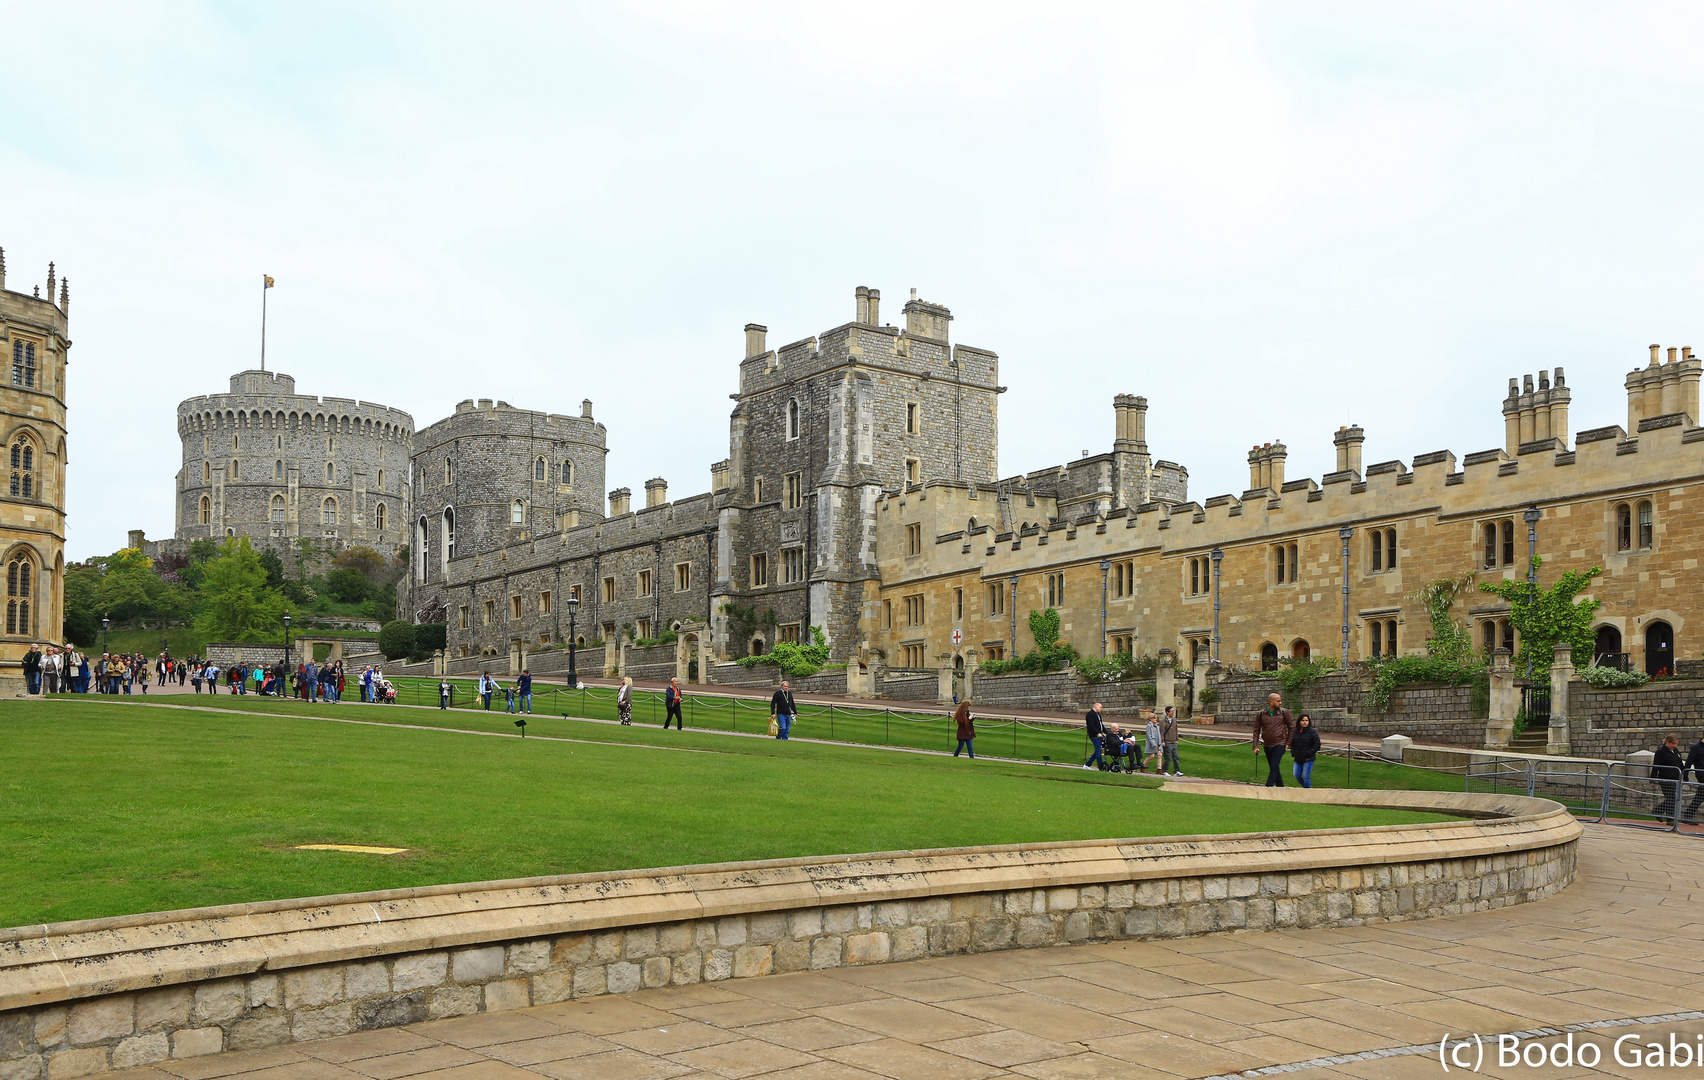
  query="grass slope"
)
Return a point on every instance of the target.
[{"x": 110, "y": 808}]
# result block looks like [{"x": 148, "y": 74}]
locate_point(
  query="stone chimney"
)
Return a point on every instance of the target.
[
  {"x": 656, "y": 492},
  {"x": 586, "y": 408},
  {"x": 1130, "y": 431},
  {"x": 875, "y": 318},
  {"x": 620, "y": 502},
  {"x": 863, "y": 310},
  {"x": 926, "y": 320},
  {"x": 1661, "y": 389},
  {"x": 719, "y": 475},
  {"x": 1349, "y": 440},
  {"x": 755, "y": 338}
]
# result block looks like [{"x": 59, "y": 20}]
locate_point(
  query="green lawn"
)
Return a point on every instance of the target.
[
  {"x": 117, "y": 807},
  {"x": 1021, "y": 740}
]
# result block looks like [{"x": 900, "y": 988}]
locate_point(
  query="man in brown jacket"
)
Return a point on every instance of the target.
[{"x": 1272, "y": 733}]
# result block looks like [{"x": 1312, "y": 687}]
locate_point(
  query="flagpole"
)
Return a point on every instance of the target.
[{"x": 265, "y": 283}]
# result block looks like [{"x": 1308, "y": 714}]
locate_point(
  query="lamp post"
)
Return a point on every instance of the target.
[
  {"x": 286, "y": 673},
  {"x": 573, "y": 675},
  {"x": 1218, "y": 555},
  {"x": 102, "y": 676},
  {"x": 1531, "y": 515},
  {"x": 105, "y": 622},
  {"x": 1345, "y": 534}
]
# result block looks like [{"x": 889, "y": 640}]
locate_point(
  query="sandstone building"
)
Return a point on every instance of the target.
[
  {"x": 33, "y": 332},
  {"x": 265, "y": 462},
  {"x": 1140, "y": 576}
]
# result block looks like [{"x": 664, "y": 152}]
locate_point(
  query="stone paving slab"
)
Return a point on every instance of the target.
[{"x": 1362, "y": 1003}]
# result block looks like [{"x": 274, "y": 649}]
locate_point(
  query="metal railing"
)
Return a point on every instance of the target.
[{"x": 1605, "y": 792}]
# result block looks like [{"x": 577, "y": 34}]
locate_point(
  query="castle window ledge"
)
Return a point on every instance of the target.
[
  {"x": 1508, "y": 468},
  {"x": 1631, "y": 446},
  {"x": 1564, "y": 459},
  {"x": 1385, "y": 467},
  {"x": 1368, "y": 613}
]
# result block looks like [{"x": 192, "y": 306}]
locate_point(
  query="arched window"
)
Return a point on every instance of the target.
[
  {"x": 539, "y": 470},
  {"x": 379, "y": 516},
  {"x": 278, "y": 470},
  {"x": 447, "y": 543},
  {"x": 23, "y": 363},
  {"x": 1645, "y": 527},
  {"x": 278, "y": 509},
  {"x": 447, "y": 473},
  {"x": 328, "y": 512},
  {"x": 381, "y": 479},
  {"x": 567, "y": 472},
  {"x": 1268, "y": 657},
  {"x": 23, "y": 483},
  {"x": 233, "y": 468},
  {"x": 1624, "y": 528},
  {"x": 517, "y": 512},
  {"x": 420, "y": 531},
  {"x": 19, "y": 572},
  {"x": 330, "y": 472},
  {"x": 792, "y": 419},
  {"x": 330, "y": 444},
  {"x": 206, "y": 471},
  {"x": 206, "y": 510}
]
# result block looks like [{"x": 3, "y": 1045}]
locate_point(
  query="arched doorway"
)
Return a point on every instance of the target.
[
  {"x": 1606, "y": 650},
  {"x": 1659, "y": 649},
  {"x": 958, "y": 677},
  {"x": 1269, "y": 657},
  {"x": 1300, "y": 650}
]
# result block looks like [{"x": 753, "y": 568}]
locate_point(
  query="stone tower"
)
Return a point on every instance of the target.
[
  {"x": 276, "y": 466},
  {"x": 33, "y": 331},
  {"x": 490, "y": 474}
]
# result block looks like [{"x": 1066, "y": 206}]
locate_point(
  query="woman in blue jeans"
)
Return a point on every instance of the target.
[
  {"x": 966, "y": 730},
  {"x": 1304, "y": 747}
]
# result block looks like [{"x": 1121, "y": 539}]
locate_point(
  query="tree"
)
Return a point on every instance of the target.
[
  {"x": 429, "y": 637},
  {"x": 236, "y": 603},
  {"x": 274, "y": 567},
  {"x": 363, "y": 560},
  {"x": 130, "y": 589},
  {"x": 396, "y": 639},
  {"x": 82, "y": 613},
  {"x": 1546, "y": 618},
  {"x": 347, "y": 586}
]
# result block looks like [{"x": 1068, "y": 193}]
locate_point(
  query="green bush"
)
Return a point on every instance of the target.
[
  {"x": 1119, "y": 667},
  {"x": 1209, "y": 695},
  {"x": 1048, "y": 654},
  {"x": 795, "y": 661},
  {"x": 1148, "y": 692},
  {"x": 396, "y": 639},
  {"x": 430, "y": 637},
  {"x": 1294, "y": 673},
  {"x": 1603, "y": 678},
  {"x": 347, "y": 586}
]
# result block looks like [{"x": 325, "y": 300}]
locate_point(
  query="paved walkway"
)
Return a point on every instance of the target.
[{"x": 1620, "y": 945}]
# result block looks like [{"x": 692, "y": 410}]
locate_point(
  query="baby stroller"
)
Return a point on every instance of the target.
[{"x": 387, "y": 692}]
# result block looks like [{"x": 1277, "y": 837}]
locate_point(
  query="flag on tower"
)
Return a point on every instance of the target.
[{"x": 268, "y": 284}]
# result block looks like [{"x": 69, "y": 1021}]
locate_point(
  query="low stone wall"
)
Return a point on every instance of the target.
[
  {"x": 1615, "y": 723},
  {"x": 1428, "y": 712},
  {"x": 731, "y": 674},
  {"x": 910, "y": 687},
  {"x": 82, "y": 998}
]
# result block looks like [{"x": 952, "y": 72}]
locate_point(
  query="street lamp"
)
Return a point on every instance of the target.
[
  {"x": 1218, "y": 555},
  {"x": 286, "y": 673},
  {"x": 573, "y": 675},
  {"x": 1345, "y": 534},
  {"x": 1531, "y": 515},
  {"x": 105, "y": 622}
]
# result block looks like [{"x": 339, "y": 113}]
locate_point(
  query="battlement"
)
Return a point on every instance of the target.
[
  {"x": 488, "y": 417},
  {"x": 34, "y": 309}
]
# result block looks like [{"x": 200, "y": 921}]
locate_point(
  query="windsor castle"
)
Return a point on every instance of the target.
[{"x": 861, "y": 494}]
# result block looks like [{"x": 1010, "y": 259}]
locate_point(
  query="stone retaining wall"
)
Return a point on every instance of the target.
[{"x": 82, "y": 998}]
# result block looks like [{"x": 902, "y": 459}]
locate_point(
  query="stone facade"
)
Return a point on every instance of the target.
[
  {"x": 275, "y": 466},
  {"x": 1139, "y": 576},
  {"x": 34, "y": 342}
]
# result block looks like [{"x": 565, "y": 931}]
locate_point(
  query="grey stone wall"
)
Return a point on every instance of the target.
[
  {"x": 1614, "y": 723},
  {"x": 1428, "y": 712},
  {"x": 274, "y": 466},
  {"x": 63, "y": 1042}
]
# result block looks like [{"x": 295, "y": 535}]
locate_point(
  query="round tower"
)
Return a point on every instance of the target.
[
  {"x": 276, "y": 466},
  {"x": 491, "y": 474}
]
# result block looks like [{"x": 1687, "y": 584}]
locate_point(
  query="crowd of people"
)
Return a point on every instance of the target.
[
  {"x": 52, "y": 669},
  {"x": 1123, "y": 750}
]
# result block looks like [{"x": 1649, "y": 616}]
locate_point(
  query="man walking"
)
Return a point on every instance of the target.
[
  {"x": 1695, "y": 763},
  {"x": 1272, "y": 733},
  {"x": 1169, "y": 740},
  {"x": 1667, "y": 769},
  {"x": 783, "y": 708},
  {"x": 1093, "y": 727},
  {"x": 523, "y": 691},
  {"x": 671, "y": 704}
]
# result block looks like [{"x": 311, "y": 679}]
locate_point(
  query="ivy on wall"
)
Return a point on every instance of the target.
[{"x": 1549, "y": 617}]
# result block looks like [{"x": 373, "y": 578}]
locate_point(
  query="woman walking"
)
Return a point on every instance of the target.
[
  {"x": 1304, "y": 747},
  {"x": 966, "y": 730},
  {"x": 624, "y": 699}
]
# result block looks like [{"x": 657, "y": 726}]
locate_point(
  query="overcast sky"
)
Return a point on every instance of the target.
[{"x": 1269, "y": 219}]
